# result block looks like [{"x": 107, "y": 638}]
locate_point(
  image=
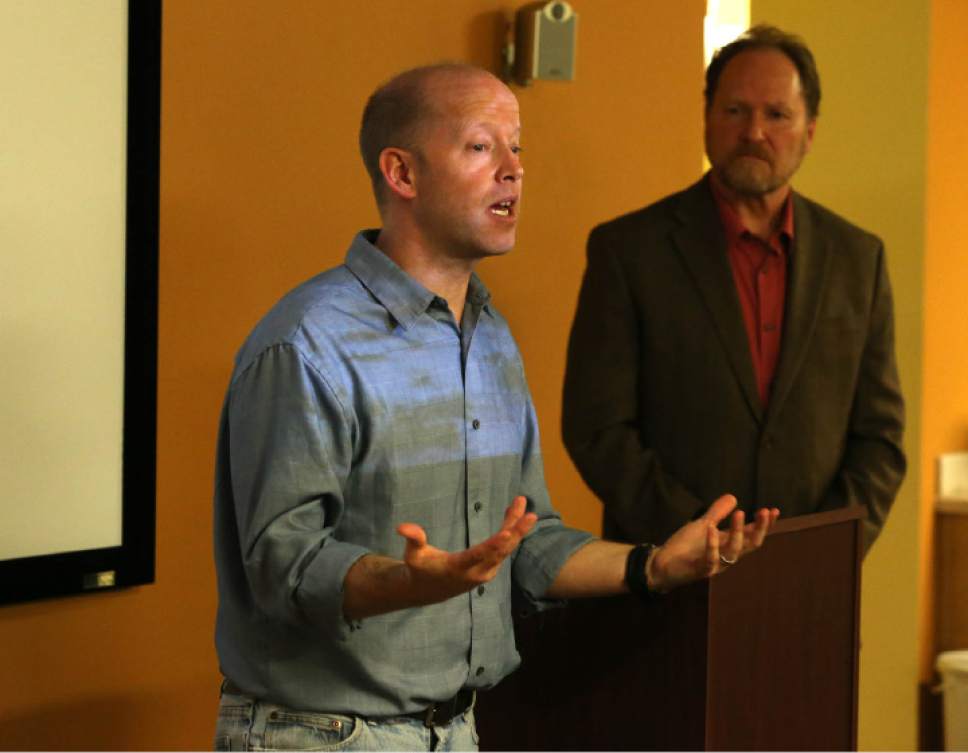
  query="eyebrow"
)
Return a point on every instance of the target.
[{"x": 467, "y": 125}]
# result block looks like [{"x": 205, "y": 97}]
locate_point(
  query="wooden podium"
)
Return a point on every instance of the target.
[{"x": 761, "y": 657}]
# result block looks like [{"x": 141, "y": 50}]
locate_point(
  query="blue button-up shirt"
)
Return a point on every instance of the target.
[{"x": 355, "y": 405}]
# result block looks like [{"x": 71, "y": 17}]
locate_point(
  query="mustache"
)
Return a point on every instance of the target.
[{"x": 753, "y": 151}]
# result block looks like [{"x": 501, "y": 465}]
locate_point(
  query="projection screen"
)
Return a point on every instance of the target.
[{"x": 78, "y": 294}]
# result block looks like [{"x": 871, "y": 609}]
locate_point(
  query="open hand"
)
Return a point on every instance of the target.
[
  {"x": 699, "y": 549},
  {"x": 436, "y": 575}
]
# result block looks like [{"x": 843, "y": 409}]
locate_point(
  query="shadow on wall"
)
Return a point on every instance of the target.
[
  {"x": 112, "y": 722},
  {"x": 485, "y": 40}
]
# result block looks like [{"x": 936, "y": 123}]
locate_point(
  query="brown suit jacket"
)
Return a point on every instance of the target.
[{"x": 661, "y": 411}]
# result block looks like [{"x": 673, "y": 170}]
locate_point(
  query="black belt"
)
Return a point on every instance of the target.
[
  {"x": 440, "y": 713},
  {"x": 437, "y": 714}
]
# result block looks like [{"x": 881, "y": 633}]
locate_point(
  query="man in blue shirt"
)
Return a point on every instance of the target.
[{"x": 380, "y": 500}]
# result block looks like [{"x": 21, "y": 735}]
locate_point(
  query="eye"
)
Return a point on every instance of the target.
[
  {"x": 517, "y": 149},
  {"x": 479, "y": 147}
]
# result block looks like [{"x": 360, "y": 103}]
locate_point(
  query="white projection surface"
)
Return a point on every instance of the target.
[{"x": 63, "y": 77}]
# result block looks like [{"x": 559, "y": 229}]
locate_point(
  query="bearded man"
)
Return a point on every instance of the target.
[{"x": 737, "y": 335}]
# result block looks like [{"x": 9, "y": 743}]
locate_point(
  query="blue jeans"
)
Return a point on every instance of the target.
[{"x": 248, "y": 724}]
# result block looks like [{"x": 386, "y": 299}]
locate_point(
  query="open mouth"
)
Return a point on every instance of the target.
[{"x": 503, "y": 208}]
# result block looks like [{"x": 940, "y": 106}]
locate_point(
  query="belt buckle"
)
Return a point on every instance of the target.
[{"x": 444, "y": 712}]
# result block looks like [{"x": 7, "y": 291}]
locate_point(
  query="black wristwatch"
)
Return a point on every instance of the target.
[{"x": 635, "y": 577}]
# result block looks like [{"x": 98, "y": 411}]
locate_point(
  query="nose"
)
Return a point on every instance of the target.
[
  {"x": 754, "y": 127},
  {"x": 511, "y": 169}
]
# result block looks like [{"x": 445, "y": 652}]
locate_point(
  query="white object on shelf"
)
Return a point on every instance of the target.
[
  {"x": 953, "y": 668},
  {"x": 953, "y": 482}
]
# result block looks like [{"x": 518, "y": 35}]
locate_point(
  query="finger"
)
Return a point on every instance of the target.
[
  {"x": 760, "y": 528},
  {"x": 757, "y": 531},
  {"x": 497, "y": 546},
  {"x": 734, "y": 542},
  {"x": 478, "y": 559},
  {"x": 414, "y": 534},
  {"x": 491, "y": 552},
  {"x": 494, "y": 550},
  {"x": 514, "y": 512},
  {"x": 712, "y": 549},
  {"x": 506, "y": 540},
  {"x": 523, "y": 527},
  {"x": 719, "y": 509}
]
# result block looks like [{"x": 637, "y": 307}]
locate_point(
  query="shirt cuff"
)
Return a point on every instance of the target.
[
  {"x": 320, "y": 593},
  {"x": 540, "y": 557}
]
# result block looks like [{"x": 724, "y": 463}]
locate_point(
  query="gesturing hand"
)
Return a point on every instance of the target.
[
  {"x": 436, "y": 575},
  {"x": 699, "y": 549}
]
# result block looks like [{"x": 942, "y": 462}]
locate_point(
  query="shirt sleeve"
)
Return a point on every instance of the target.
[
  {"x": 290, "y": 446},
  {"x": 550, "y": 543}
]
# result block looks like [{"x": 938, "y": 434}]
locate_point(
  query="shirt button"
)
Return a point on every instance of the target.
[
  {"x": 480, "y": 671},
  {"x": 476, "y": 424},
  {"x": 481, "y": 590},
  {"x": 478, "y": 507}
]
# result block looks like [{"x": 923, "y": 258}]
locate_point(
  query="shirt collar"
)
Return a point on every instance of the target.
[
  {"x": 401, "y": 295},
  {"x": 734, "y": 227}
]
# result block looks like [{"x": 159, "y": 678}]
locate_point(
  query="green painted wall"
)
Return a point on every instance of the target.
[{"x": 868, "y": 164}]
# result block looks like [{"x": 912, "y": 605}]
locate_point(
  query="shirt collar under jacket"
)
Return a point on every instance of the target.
[
  {"x": 399, "y": 293},
  {"x": 735, "y": 229}
]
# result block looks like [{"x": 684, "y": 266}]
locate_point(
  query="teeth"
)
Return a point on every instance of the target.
[{"x": 503, "y": 208}]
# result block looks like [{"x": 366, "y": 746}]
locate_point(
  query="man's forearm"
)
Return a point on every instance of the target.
[
  {"x": 697, "y": 550},
  {"x": 597, "y": 569},
  {"x": 376, "y": 585}
]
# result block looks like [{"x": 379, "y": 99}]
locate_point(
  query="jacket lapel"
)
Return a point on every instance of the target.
[
  {"x": 805, "y": 290},
  {"x": 702, "y": 246}
]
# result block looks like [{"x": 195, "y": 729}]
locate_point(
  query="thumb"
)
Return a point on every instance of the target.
[
  {"x": 719, "y": 509},
  {"x": 415, "y": 535}
]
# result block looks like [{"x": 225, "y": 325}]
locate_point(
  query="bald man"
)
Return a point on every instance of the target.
[{"x": 380, "y": 497}]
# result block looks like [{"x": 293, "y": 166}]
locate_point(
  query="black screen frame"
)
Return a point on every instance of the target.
[{"x": 133, "y": 562}]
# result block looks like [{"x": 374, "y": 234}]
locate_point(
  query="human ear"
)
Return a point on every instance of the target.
[
  {"x": 811, "y": 129},
  {"x": 396, "y": 165}
]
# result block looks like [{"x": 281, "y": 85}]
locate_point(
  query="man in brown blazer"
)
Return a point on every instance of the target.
[{"x": 737, "y": 337}]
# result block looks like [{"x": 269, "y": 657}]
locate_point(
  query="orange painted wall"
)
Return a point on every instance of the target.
[
  {"x": 261, "y": 188},
  {"x": 945, "y": 396}
]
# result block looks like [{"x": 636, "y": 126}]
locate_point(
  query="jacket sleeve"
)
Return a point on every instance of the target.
[
  {"x": 601, "y": 413},
  {"x": 873, "y": 462}
]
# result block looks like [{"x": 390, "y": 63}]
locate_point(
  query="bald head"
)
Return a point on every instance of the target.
[{"x": 397, "y": 110}]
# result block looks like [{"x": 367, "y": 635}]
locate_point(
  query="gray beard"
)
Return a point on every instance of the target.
[{"x": 751, "y": 182}]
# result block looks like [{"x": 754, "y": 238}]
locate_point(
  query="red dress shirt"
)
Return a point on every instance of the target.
[{"x": 760, "y": 272}]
